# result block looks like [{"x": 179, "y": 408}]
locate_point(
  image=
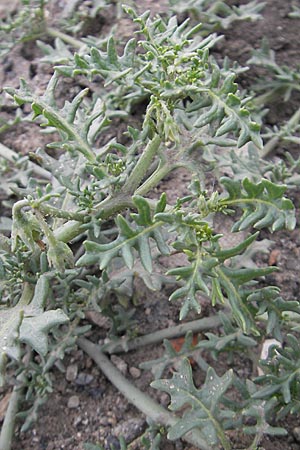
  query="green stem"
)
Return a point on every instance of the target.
[
  {"x": 155, "y": 178},
  {"x": 18, "y": 206},
  {"x": 290, "y": 125},
  {"x": 106, "y": 209},
  {"x": 140, "y": 400},
  {"x": 7, "y": 430},
  {"x": 53, "y": 32},
  {"x": 125, "y": 345},
  {"x": 56, "y": 212},
  {"x": 46, "y": 230},
  {"x": 68, "y": 231},
  {"x": 142, "y": 165},
  {"x": 26, "y": 296},
  {"x": 13, "y": 157},
  {"x": 112, "y": 205}
]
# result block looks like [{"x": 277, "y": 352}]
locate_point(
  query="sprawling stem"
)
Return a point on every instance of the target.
[
  {"x": 290, "y": 125},
  {"x": 140, "y": 400},
  {"x": 122, "y": 345},
  {"x": 68, "y": 231},
  {"x": 16, "y": 209},
  {"x": 7, "y": 430},
  {"x": 142, "y": 166},
  {"x": 53, "y": 32},
  {"x": 155, "y": 178},
  {"x": 56, "y": 212},
  {"x": 12, "y": 156},
  {"x": 106, "y": 209}
]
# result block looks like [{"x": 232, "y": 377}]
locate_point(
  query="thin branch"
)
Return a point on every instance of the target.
[
  {"x": 53, "y": 32},
  {"x": 125, "y": 345},
  {"x": 142, "y": 165},
  {"x": 289, "y": 126},
  {"x": 7, "y": 430},
  {"x": 139, "y": 399},
  {"x": 13, "y": 157}
]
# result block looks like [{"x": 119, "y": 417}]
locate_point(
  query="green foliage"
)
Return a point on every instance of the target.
[
  {"x": 87, "y": 224},
  {"x": 26, "y": 24},
  {"x": 172, "y": 67},
  {"x": 264, "y": 204},
  {"x": 130, "y": 238},
  {"x": 281, "y": 376},
  {"x": 27, "y": 322},
  {"x": 284, "y": 80},
  {"x": 204, "y": 412},
  {"x": 217, "y": 15}
]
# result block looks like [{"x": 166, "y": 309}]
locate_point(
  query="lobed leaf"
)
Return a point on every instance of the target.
[
  {"x": 133, "y": 236},
  {"x": 203, "y": 404},
  {"x": 28, "y": 323},
  {"x": 263, "y": 203}
]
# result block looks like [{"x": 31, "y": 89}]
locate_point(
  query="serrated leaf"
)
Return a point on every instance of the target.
[
  {"x": 34, "y": 330},
  {"x": 136, "y": 235},
  {"x": 27, "y": 322},
  {"x": 72, "y": 135},
  {"x": 263, "y": 204},
  {"x": 204, "y": 403}
]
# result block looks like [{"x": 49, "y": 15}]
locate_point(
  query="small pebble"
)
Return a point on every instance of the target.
[
  {"x": 73, "y": 402},
  {"x": 77, "y": 421},
  {"x": 119, "y": 363},
  {"x": 296, "y": 433},
  {"x": 130, "y": 429},
  {"x": 135, "y": 372},
  {"x": 71, "y": 373},
  {"x": 84, "y": 379}
]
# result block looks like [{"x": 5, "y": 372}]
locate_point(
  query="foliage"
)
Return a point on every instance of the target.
[
  {"x": 25, "y": 25},
  {"x": 284, "y": 80},
  {"x": 88, "y": 225},
  {"x": 217, "y": 15}
]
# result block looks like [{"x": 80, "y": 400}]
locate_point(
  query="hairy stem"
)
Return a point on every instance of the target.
[
  {"x": 53, "y": 32},
  {"x": 68, "y": 231},
  {"x": 126, "y": 345},
  {"x": 142, "y": 165},
  {"x": 140, "y": 400},
  {"x": 12, "y": 156},
  {"x": 7, "y": 430},
  {"x": 155, "y": 178},
  {"x": 288, "y": 127},
  {"x": 56, "y": 212}
]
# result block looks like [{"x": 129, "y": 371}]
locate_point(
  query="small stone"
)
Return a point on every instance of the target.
[
  {"x": 73, "y": 402},
  {"x": 112, "y": 442},
  {"x": 164, "y": 399},
  {"x": 71, "y": 373},
  {"x": 84, "y": 379},
  {"x": 135, "y": 372},
  {"x": 296, "y": 433},
  {"x": 98, "y": 319},
  {"x": 119, "y": 363},
  {"x": 77, "y": 421},
  {"x": 111, "y": 420},
  {"x": 130, "y": 429},
  {"x": 103, "y": 421},
  {"x": 88, "y": 363},
  {"x": 148, "y": 311}
]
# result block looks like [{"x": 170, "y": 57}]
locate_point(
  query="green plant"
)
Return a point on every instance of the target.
[
  {"x": 217, "y": 15},
  {"x": 81, "y": 236}
]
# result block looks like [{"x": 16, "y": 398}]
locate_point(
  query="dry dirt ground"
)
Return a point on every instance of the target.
[{"x": 84, "y": 406}]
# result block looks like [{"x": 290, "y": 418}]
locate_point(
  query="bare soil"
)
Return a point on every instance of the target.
[{"x": 84, "y": 407}]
